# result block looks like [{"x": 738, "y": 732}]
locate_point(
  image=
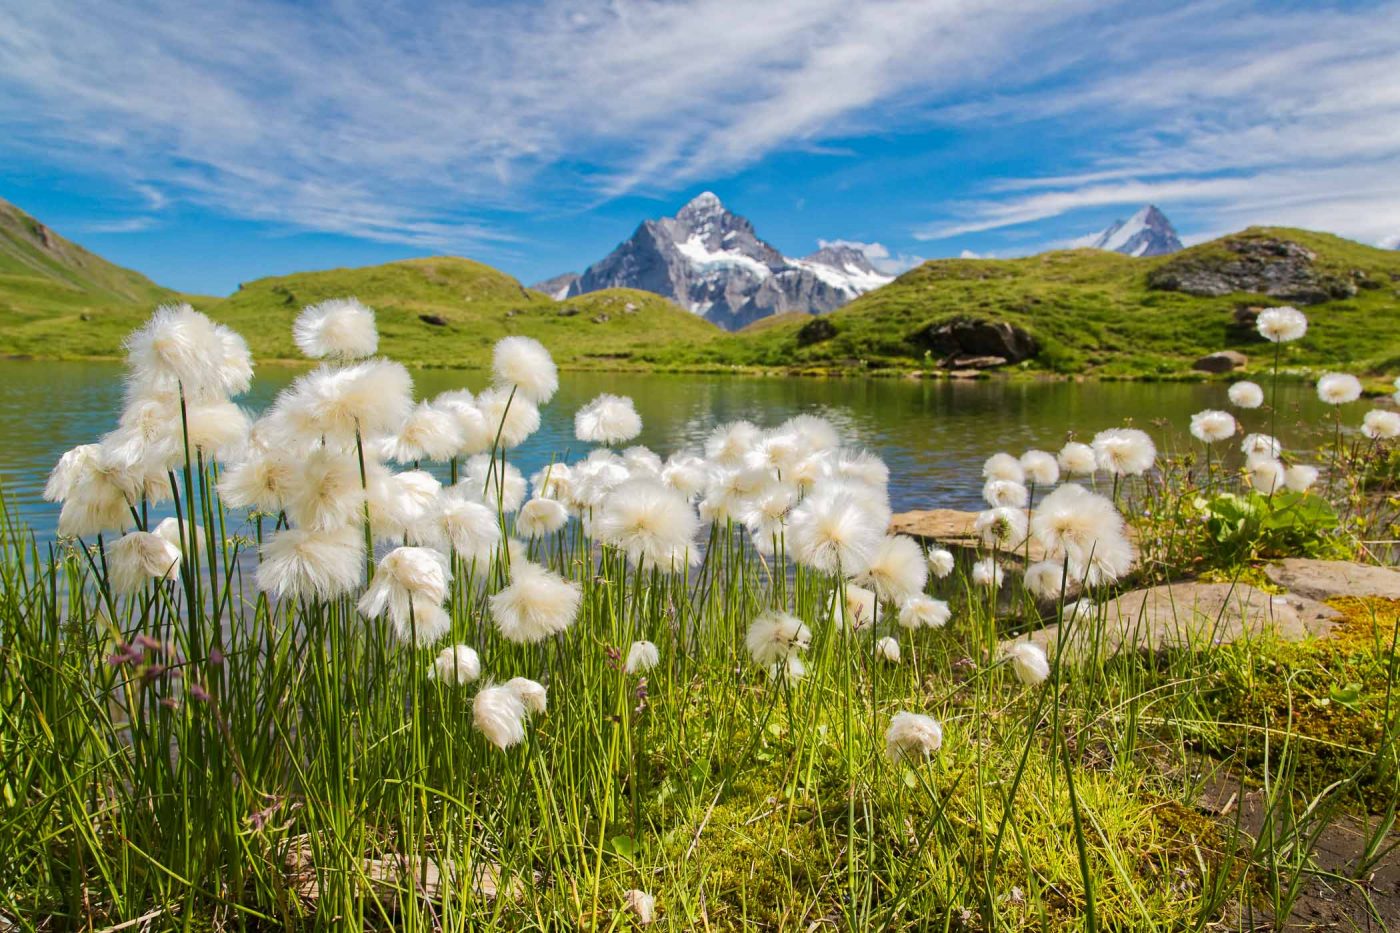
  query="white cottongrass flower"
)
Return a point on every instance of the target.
[
  {"x": 834, "y": 529},
  {"x": 259, "y": 481},
  {"x": 171, "y": 529},
  {"x": 1381, "y": 425},
  {"x": 1003, "y": 466},
  {"x": 492, "y": 482},
  {"x": 498, "y": 714},
  {"x": 1261, "y": 445},
  {"x": 1281, "y": 325},
  {"x": 608, "y": 419},
  {"x": 1077, "y": 459},
  {"x": 940, "y": 562},
  {"x": 790, "y": 669},
  {"x": 410, "y": 584},
  {"x": 773, "y": 636},
  {"x": 1046, "y": 580},
  {"x": 403, "y": 505},
  {"x": 429, "y": 433},
  {"x": 887, "y": 649},
  {"x": 912, "y": 737},
  {"x": 648, "y": 521},
  {"x": 896, "y": 570},
  {"x": 924, "y": 612},
  {"x": 1040, "y": 467},
  {"x": 1084, "y": 527},
  {"x": 1029, "y": 663},
  {"x": 216, "y": 428},
  {"x": 509, "y": 420},
  {"x": 729, "y": 443},
  {"x": 986, "y": 572},
  {"x": 641, "y": 904},
  {"x": 476, "y": 434},
  {"x": 531, "y": 693},
  {"x": 340, "y": 329},
  {"x": 69, "y": 471},
  {"x": 816, "y": 433},
  {"x": 1300, "y": 477},
  {"x": 523, "y": 364},
  {"x": 326, "y": 492},
  {"x": 469, "y": 526},
  {"x": 1210, "y": 425},
  {"x": 1124, "y": 451},
  {"x": 139, "y": 556},
  {"x": 641, "y": 656},
  {"x": 555, "y": 481},
  {"x": 371, "y": 398},
  {"x": 1338, "y": 388},
  {"x": 597, "y": 475},
  {"x": 1246, "y": 394},
  {"x": 1266, "y": 475},
  {"x": 642, "y": 462},
  {"x": 685, "y": 473},
  {"x": 457, "y": 664},
  {"x": 1005, "y": 494},
  {"x": 766, "y": 516},
  {"x": 1081, "y": 610},
  {"x": 853, "y": 608},
  {"x": 863, "y": 467},
  {"x": 540, "y": 517},
  {"x": 301, "y": 564},
  {"x": 179, "y": 349},
  {"x": 1001, "y": 528},
  {"x": 538, "y": 603}
]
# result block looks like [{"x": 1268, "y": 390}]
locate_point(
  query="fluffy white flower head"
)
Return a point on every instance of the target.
[
  {"x": 1077, "y": 459},
  {"x": 457, "y": 664},
  {"x": 1029, "y": 663},
  {"x": 1282, "y": 325},
  {"x": 1040, "y": 467},
  {"x": 641, "y": 656},
  {"x": 1246, "y": 394},
  {"x": 1338, "y": 388},
  {"x": 1381, "y": 425},
  {"x": 1124, "y": 451},
  {"x": 912, "y": 737},
  {"x": 940, "y": 562},
  {"x": 608, "y": 419},
  {"x": 1209, "y": 426},
  {"x": 340, "y": 329},
  {"x": 773, "y": 636},
  {"x": 538, "y": 603},
  {"x": 522, "y": 363}
]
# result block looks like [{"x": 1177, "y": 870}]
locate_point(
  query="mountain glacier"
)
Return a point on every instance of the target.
[{"x": 1146, "y": 233}]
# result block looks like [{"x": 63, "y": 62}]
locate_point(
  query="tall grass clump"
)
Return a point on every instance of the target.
[{"x": 342, "y": 665}]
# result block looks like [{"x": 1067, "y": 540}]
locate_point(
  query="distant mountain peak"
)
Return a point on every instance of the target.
[
  {"x": 1146, "y": 233},
  {"x": 712, "y": 262}
]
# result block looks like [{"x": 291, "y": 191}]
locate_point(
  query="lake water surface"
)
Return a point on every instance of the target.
[{"x": 933, "y": 434}]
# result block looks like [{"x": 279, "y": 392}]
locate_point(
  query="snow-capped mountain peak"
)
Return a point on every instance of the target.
[
  {"x": 1146, "y": 233},
  {"x": 712, "y": 262}
]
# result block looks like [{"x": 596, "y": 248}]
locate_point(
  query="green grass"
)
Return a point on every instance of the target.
[{"x": 265, "y": 763}]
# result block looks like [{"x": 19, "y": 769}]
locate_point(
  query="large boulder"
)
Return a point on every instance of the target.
[
  {"x": 1254, "y": 264},
  {"x": 1187, "y": 615},
  {"x": 1323, "y": 579},
  {"x": 973, "y": 339},
  {"x": 1223, "y": 362}
]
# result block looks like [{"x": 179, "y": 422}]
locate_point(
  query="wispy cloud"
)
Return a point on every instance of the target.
[
  {"x": 1285, "y": 116},
  {"x": 406, "y": 122}
]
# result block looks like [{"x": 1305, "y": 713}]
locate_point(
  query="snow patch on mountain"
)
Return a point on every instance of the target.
[{"x": 1146, "y": 233}]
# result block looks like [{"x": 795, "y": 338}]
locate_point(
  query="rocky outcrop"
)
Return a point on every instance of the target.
[
  {"x": 1261, "y": 265},
  {"x": 1186, "y": 615},
  {"x": 1324, "y": 579},
  {"x": 1222, "y": 362},
  {"x": 972, "y": 343},
  {"x": 712, "y": 262},
  {"x": 557, "y": 287}
]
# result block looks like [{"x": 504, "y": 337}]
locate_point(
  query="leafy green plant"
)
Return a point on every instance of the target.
[{"x": 1244, "y": 526}]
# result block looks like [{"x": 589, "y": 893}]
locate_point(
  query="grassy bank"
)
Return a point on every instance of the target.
[{"x": 219, "y": 735}]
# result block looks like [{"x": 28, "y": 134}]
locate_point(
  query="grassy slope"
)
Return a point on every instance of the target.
[
  {"x": 1092, "y": 311},
  {"x": 45, "y": 277}
]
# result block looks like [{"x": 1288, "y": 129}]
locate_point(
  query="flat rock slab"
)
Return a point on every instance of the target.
[
  {"x": 1182, "y": 615},
  {"x": 1323, "y": 579},
  {"x": 951, "y": 528}
]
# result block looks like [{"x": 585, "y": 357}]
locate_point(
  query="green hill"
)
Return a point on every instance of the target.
[
  {"x": 1099, "y": 312},
  {"x": 1088, "y": 311},
  {"x": 44, "y": 276}
]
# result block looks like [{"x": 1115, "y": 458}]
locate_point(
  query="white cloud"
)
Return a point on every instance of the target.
[
  {"x": 406, "y": 122},
  {"x": 880, "y": 256},
  {"x": 1269, "y": 117}
]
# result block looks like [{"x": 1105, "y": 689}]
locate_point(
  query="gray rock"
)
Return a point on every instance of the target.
[
  {"x": 1323, "y": 579},
  {"x": 963, "y": 338},
  {"x": 1256, "y": 264},
  {"x": 1187, "y": 615},
  {"x": 1222, "y": 362}
]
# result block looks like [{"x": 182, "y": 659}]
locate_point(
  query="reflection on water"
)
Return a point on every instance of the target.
[{"x": 933, "y": 434}]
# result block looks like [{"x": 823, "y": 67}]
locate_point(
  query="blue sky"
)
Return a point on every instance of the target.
[{"x": 209, "y": 144}]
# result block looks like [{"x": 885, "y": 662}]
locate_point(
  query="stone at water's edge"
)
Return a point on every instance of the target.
[
  {"x": 1222, "y": 362},
  {"x": 1323, "y": 579},
  {"x": 1182, "y": 615}
]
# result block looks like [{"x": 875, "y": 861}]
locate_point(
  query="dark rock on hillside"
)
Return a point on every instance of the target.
[
  {"x": 1259, "y": 265},
  {"x": 1222, "y": 362},
  {"x": 815, "y": 331},
  {"x": 970, "y": 343}
]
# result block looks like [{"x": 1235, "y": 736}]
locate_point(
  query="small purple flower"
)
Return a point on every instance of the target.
[
  {"x": 198, "y": 692},
  {"x": 216, "y": 657}
]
